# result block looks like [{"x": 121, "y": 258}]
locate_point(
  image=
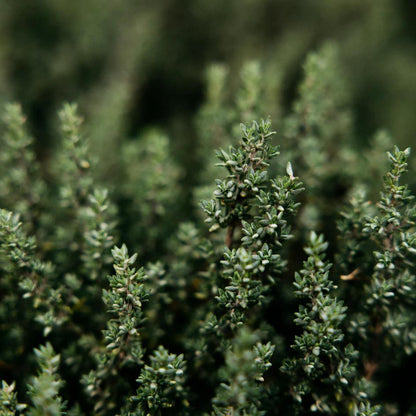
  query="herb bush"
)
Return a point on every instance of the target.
[{"x": 288, "y": 290}]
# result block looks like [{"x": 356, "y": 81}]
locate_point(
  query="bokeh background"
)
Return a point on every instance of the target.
[
  {"x": 133, "y": 66},
  {"x": 130, "y": 64}
]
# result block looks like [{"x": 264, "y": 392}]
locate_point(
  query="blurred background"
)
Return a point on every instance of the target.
[{"x": 133, "y": 64}]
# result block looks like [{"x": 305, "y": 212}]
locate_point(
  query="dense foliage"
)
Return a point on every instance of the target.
[{"x": 220, "y": 312}]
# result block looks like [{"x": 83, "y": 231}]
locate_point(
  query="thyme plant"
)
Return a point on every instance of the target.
[{"x": 218, "y": 313}]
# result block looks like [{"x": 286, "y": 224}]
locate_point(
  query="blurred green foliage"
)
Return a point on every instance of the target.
[{"x": 132, "y": 64}]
